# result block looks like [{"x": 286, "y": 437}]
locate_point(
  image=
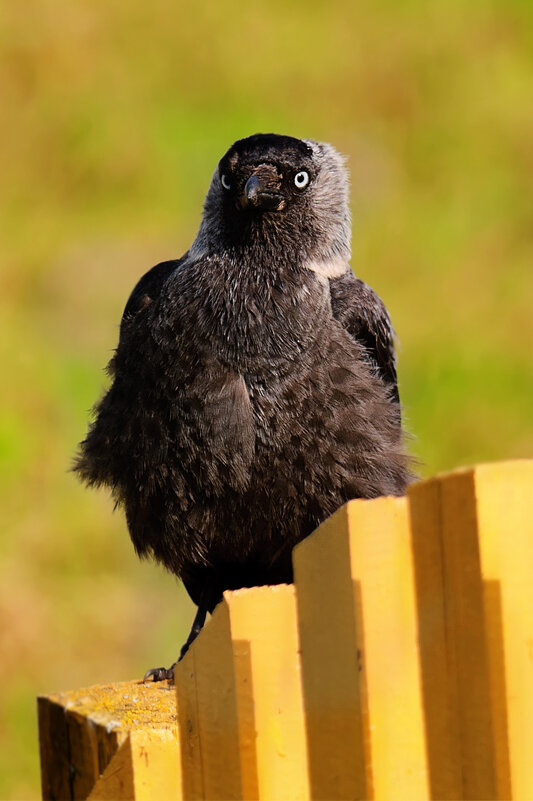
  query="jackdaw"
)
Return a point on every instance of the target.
[{"x": 254, "y": 384}]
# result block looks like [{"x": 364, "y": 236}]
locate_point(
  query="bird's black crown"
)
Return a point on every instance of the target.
[{"x": 267, "y": 148}]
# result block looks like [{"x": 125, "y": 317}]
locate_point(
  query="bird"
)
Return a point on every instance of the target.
[{"x": 254, "y": 388}]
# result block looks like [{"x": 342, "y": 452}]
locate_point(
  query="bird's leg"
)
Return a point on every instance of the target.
[
  {"x": 196, "y": 628},
  {"x": 159, "y": 674}
]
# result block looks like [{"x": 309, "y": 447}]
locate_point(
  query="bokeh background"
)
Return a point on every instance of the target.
[{"x": 114, "y": 116}]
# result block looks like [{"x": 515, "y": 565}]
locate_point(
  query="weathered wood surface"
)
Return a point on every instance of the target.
[
  {"x": 110, "y": 741},
  {"x": 399, "y": 665}
]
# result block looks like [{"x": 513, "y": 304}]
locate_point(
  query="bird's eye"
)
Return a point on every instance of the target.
[
  {"x": 301, "y": 179},
  {"x": 224, "y": 181}
]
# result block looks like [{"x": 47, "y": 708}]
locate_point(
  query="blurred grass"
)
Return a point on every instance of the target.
[{"x": 114, "y": 117}]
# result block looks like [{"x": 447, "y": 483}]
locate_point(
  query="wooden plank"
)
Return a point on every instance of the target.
[
  {"x": 269, "y": 692},
  {"x": 437, "y": 657},
  {"x": 80, "y": 731},
  {"x": 483, "y": 518},
  {"x": 466, "y": 633},
  {"x": 499, "y": 498},
  {"x": 117, "y": 781},
  {"x": 156, "y": 766},
  {"x": 207, "y": 712},
  {"x": 145, "y": 768},
  {"x": 376, "y": 600},
  {"x": 382, "y": 565},
  {"x": 189, "y": 737},
  {"x": 54, "y": 752},
  {"x": 244, "y": 674},
  {"x": 330, "y": 667}
]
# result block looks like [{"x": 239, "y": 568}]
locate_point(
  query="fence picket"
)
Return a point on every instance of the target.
[{"x": 377, "y": 625}]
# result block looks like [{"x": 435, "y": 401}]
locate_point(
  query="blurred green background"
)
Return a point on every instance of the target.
[{"x": 113, "y": 118}]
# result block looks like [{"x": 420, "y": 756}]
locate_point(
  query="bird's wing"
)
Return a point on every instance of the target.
[
  {"x": 363, "y": 314},
  {"x": 149, "y": 286},
  {"x": 169, "y": 392}
]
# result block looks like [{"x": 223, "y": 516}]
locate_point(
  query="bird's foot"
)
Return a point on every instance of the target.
[{"x": 160, "y": 674}]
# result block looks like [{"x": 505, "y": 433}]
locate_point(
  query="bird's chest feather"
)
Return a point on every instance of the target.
[
  {"x": 246, "y": 375},
  {"x": 252, "y": 319}
]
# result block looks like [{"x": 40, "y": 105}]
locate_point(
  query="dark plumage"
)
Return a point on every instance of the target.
[{"x": 254, "y": 384}]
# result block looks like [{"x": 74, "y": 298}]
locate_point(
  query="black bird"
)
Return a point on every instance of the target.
[{"x": 254, "y": 385}]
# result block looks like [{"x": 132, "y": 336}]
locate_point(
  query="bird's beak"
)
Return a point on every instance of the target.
[{"x": 262, "y": 190}]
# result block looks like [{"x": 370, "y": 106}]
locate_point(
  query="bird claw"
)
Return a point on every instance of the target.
[{"x": 160, "y": 674}]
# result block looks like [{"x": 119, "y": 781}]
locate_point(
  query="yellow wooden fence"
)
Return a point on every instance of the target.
[{"x": 398, "y": 666}]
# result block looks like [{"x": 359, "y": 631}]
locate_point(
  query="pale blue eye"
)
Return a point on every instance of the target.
[
  {"x": 301, "y": 179},
  {"x": 224, "y": 181}
]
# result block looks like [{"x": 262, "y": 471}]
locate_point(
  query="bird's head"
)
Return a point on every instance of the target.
[{"x": 286, "y": 197}]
